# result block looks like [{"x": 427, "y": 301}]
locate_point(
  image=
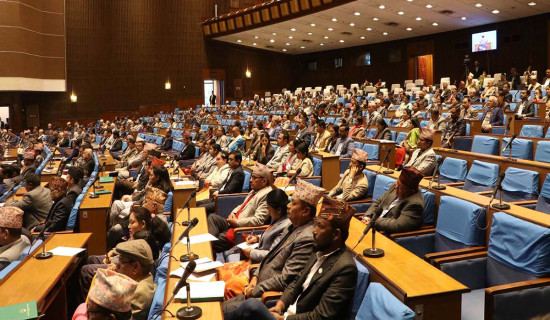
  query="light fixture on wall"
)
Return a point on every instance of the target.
[
  {"x": 74, "y": 98},
  {"x": 167, "y": 85},
  {"x": 248, "y": 74}
]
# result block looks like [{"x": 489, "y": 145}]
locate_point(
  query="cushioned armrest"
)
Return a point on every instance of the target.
[
  {"x": 412, "y": 233},
  {"x": 271, "y": 296},
  {"x": 454, "y": 184},
  {"x": 515, "y": 286},
  {"x": 239, "y": 232},
  {"x": 485, "y": 192},
  {"x": 437, "y": 255},
  {"x": 501, "y": 301},
  {"x": 366, "y": 200},
  {"x": 461, "y": 257},
  {"x": 251, "y": 269},
  {"x": 526, "y": 202},
  {"x": 244, "y": 229}
]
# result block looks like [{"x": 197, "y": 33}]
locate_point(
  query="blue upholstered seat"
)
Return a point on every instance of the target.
[
  {"x": 521, "y": 148},
  {"x": 531, "y": 131},
  {"x": 381, "y": 304},
  {"x": 485, "y": 145},
  {"x": 453, "y": 170},
  {"x": 543, "y": 202},
  {"x": 543, "y": 151},
  {"x": 520, "y": 185},
  {"x": 372, "y": 150},
  {"x": 481, "y": 177}
]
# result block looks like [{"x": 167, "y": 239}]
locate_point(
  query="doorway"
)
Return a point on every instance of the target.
[
  {"x": 4, "y": 116},
  {"x": 422, "y": 68},
  {"x": 216, "y": 87}
]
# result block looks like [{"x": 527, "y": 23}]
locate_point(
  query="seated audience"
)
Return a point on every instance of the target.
[
  {"x": 36, "y": 202},
  {"x": 525, "y": 108},
  {"x": 282, "y": 153},
  {"x": 322, "y": 136},
  {"x": 12, "y": 243},
  {"x": 265, "y": 151},
  {"x": 466, "y": 109},
  {"x": 61, "y": 208},
  {"x": 492, "y": 115},
  {"x": 221, "y": 171},
  {"x": 344, "y": 145},
  {"x": 437, "y": 122},
  {"x": 423, "y": 158},
  {"x": 188, "y": 152},
  {"x": 456, "y": 127},
  {"x": 303, "y": 161},
  {"x": 402, "y": 205},
  {"x": 353, "y": 185},
  {"x": 382, "y": 130},
  {"x": 167, "y": 141}
]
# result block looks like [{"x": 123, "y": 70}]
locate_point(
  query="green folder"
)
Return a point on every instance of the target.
[
  {"x": 99, "y": 192},
  {"x": 20, "y": 311},
  {"x": 106, "y": 179}
]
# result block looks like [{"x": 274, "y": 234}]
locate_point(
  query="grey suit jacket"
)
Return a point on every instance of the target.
[
  {"x": 284, "y": 262},
  {"x": 330, "y": 292},
  {"x": 280, "y": 156},
  {"x": 269, "y": 239},
  {"x": 406, "y": 216},
  {"x": 255, "y": 212},
  {"x": 424, "y": 162},
  {"x": 36, "y": 204},
  {"x": 12, "y": 252},
  {"x": 347, "y": 149}
]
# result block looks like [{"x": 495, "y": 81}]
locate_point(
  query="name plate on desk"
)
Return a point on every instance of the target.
[{"x": 20, "y": 311}]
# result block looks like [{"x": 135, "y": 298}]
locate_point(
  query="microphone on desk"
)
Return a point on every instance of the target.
[
  {"x": 508, "y": 125},
  {"x": 182, "y": 282},
  {"x": 498, "y": 186},
  {"x": 294, "y": 177},
  {"x": 388, "y": 171},
  {"x": 436, "y": 172},
  {"x": 186, "y": 204},
  {"x": 509, "y": 144},
  {"x": 375, "y": 215},
  {"x": 391, "y": 121},
  {"x": 185, "y": 234}
]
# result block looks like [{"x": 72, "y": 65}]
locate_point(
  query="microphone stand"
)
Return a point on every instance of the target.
[
  {"x": 99, "y": 186},
  {"x": 373, "y": 252},
  {"x": 500, "y": 205},
  {"x": 189, "y": 312},
  {"x": 43, "y": 255},
  {"x": 436, "y": 172},
  {"x": 189, "y": 255},
  {"x": 94, "y": 195}
]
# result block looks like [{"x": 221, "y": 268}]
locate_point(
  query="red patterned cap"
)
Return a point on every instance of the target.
[
  {"x": 427, "y": 134},
  {"x": 360, "y": 155},
  {"x": 308, "y": 192},
  {"x": 113, "y": 290},
  {"x": 262, "y": 171},
  {"x": 337, "y": 212},
  {"x": 11, "y": 217},
  {"x": 157, "y": 162},
  {"x": 410, "y": 177}
]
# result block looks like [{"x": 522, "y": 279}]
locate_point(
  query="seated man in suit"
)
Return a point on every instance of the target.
[
  {"x": 74, "y": 180},
  {"x": 12, "y": 244},
  {"x": 322, "y": 138},
  {"x": 492, "y": 115},
  {"x": 325, "y": 287},
  {"x": 87, "y": 164},
  {"x": 525, "y": 108},
  {"x": 232, "y": 184},
  {"x": 116, "y": 146},
  {"x": 29, "y": 166},
  {"x": 64, "y": 142},
  {"x": 36, "y": 203},
  {"x": 353, "y": 185},
  {"x": 456, "y": 127},
  {"x": 402, "y": 205},
  {"x": 303, "y": 133},
  {"x": 167, "y": 141},
  {"x": 128, "y": 153},
  {"x": 282, "y": 153},
  {"x": 252, "y": 212},
  {"x": 344, "y": 146},
  {"x": 188, "y": 152},
  {"x": 423, "y": 158},
  {"x": 284, "y": 262}
]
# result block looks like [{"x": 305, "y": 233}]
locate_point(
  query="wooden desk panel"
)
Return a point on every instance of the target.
[
  {"x": 48, "y": 173},
  {"x": 210, "y": 310},
  {"x": 44, "y": 280},
  {"x": 330, "y": 169},
  {"x": 382, "y": 149},
  {"x": 92, "y": 217},
  {"x": 10, "y": 154},
  {"x": 415, "y": 282},
  {"x": 109, "y": 161},
  {"x": 181, "y": 193}
]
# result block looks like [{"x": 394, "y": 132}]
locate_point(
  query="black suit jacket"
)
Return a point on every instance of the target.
[
  {"x": 188, "y": 152},
  {"x": 268, "y": 154},
  {"x": 64, "y": 143},
  {"x": 234, "y": 182},
  {"x": 528, "y": 110},
  {"x": 59, "y": 215},
  {"x": 88, "y": 167},
  {"x": 330, "y": 291},
  {"x": 166, "y": 143},
  {"x": 117, "y": 145}
]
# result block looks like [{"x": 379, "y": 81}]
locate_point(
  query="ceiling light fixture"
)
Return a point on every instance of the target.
[
  {"x": 309, "y": 33},
  {"x": 272, "y": 40},
  {"x": 495, "y": 11},
  {"x": 435, "y": 24},
  {"x": 532, "y": 3},
  {"x": 239, "y": 41},
  {"x": 330, "y": 29},
  {"x": 274, "y": 34},
  {"x": 369, "y": 29},
  {"x": 418, "y": 19},
  {"x": 334, "y": 19},
  {"x": 352, "y": 24},
  {"x": 362, "y": 37},
  {"x": 255, "y": 37},
  {"x": 375, "y": 19},
  {"x": 429, "y": 6},
  {"x": 463, "y": 18},
  {"x": 290, "y": 37},
  {"x": 409, "y": 29},
  {"x": 288, "y": 43},
  {"x": 401, "y": 13},
  {"x": 292, "y": 29},
  {"x": 381, "y": 6},
  {"x": 284, "y": 50},
  {"x": 302, "y": 47},
  {"x": 254, "y": 44},
  {"x": 357, "y": 13},
  {"x": 409, "y": 0},
  {"x": 321, "y": 44},
  {"x": 479, "y": 5},
  {"x": 341, "y": 41},
  {"x": 325, "y": 37},
  {"x": 313, "y": 24},
  {"x": 385, "y": 33}
]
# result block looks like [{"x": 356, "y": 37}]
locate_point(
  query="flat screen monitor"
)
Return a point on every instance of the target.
[{"x": 484, "y": 41}]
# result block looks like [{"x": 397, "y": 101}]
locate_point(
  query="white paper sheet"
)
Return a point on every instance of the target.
[
  {"x": 185, "y": 183},
  {"x": 208, "y": 266},
  {"x": 244, "y": 245},
  {"x": 66, "y": 251},
  {"x": 193, "y": 277},
  {"x": 203, "y": 290},
  {"x": 207, "y": 237}
]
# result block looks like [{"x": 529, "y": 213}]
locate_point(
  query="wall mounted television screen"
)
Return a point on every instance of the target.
[{"x": 484, "y": 41}]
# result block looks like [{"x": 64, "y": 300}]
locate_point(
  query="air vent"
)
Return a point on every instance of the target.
[
  {"x": 269, "y": 47},
  {"x": 392, "y": 24},
  {"x": 307, "y": 41},
  {"x": 346, "y": 33},
  {"x": 446, "y": 12}
]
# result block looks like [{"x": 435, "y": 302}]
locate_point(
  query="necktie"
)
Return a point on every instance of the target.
[
  {"x": 230, "y": 234},
  {"x": 226, "y": 180}
]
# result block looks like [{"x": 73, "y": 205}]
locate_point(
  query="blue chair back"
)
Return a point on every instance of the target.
[
  {"x": 246, "y": 184},
  {"x": 481, "y": 177},
  {"x": 358, "y": 145},
  {"x": 400, "y": 137},
  {"x": 381, "y": 185},
  {"x": 518, "y": 250},
  {"x": 521, "y": 148},
  {"x": 453, "y": 170},
  {"x": 361, "y": 288},
  {"x": 381, "y": 304},
  {"x": 73, "y": 216},
  {"x": 371, "y": 178},
  {"x": 197, "y": 152},
  {"x": 520, "y": 185},
  {"x": 169, "y": 203},
  {"x": 317, "y": 166},
  {"x": 543, "y": 203},
  {"x": 485, "y": 145},
  {"x": 460, "y": 224},
  {"x": 124, "y": 146},
  {"x": 372, "y": 150},
  {"x": 531, "y": 131},
  {"x": 429, "y": 207},
  {"x": 543, "y": 151}
]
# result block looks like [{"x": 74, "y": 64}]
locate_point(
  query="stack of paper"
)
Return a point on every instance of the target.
[
  {"x": 245, "y": 245},
  {"x": 185, "y": 183},
  {"x": 203, "y": 291}
]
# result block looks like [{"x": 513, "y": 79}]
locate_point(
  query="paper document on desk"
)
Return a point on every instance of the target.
[
  {"x": 386, "y": 141},
  {"x": 290, "y": 188},
  {"x": 244, "y": 245},
  {"x": 66, "y": 251},
  {"x": 207, "y": 237},
  {"x": 185, "y": 183},
  {"x": 47, "y": 170},
  {"x": 194, "y": 276},
  {"x": 203, "y": 291}
]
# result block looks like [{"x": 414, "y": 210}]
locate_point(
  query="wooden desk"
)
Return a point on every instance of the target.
[
  {"x": 10, "y": 154},
  {"x": 541, "y": 167},
  {"x": 92, "y": 217},
  {"x": 330, "y": 169},
  {"x": 422, "y": 287},
  {"x": 181, "y": 193},
  {"x": 109, "y": 161},
  {"x": 44, "y": 280},
  {"x": 210, "y": 310},
  {"x": 383, "y": 147},
  {"x": 48, "y": 174}
]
